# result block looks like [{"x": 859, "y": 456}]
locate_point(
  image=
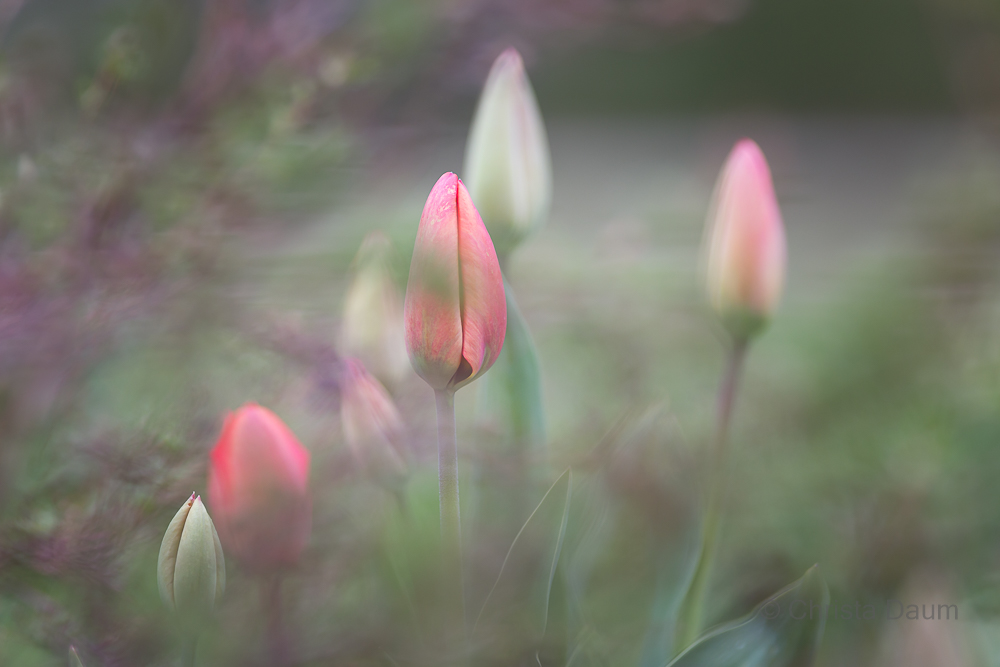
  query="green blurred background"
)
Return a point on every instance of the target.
[{"x": 184, "y": 185}]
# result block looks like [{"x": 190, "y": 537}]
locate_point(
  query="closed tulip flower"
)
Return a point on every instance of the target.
[
  {"x": 455, "y": 310},
  {"x": 373, "y": 313},
  {"x": 456, "y": 318},
  {"x": 191, "y": 569},
  {"x": 507, "y": 163},
  {"x": 745, "y": 271},
  {"x": 372, "y": 424},
  {"x": 258, "y": 489},
  {"x": 746, "y": 243}
]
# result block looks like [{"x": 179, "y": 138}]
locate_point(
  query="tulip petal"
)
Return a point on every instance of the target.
[
  {"x": 432, "y": 310},
  {"x": 507, "y": 164},
  {"x": 483, "y": 301},
  {"x": 220, "y": 564},
  {"x": 372, "y": 324},
  {"x": 746, "y": 260},
  {"x": 167, "y": 559},
  {"x": 257, "y": 450},
  {"x": 196, "y": 571},
  {"x": 372, "y": 424},
  {"x": 258, "y": 488}
]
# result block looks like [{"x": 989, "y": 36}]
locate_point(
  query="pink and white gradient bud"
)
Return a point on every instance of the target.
[
  {"x": 455, "y": 310},
  {"x": 258, "y": 489},
  {"x": 507, "y": 162},
  {"x": 373, "y": 427},
  {"x": 745, "y": 243}
]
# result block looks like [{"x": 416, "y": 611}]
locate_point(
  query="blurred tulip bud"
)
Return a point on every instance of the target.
[
  {"x": 373, "y": 426},
  {"x": 258, "y": 488},
  {"x": 191, "y": 568},
  {"x": 507, "y": 163},
  {"x": 455, "y": 310},
  {"x": 745, "y": 243},
  {"x": 373, "y": 314}
]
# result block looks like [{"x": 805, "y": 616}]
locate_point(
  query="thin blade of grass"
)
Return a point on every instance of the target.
[{"x": 567, "y": 475}]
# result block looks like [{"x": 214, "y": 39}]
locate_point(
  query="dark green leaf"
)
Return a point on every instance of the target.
[{"x": 783, "y": 631}]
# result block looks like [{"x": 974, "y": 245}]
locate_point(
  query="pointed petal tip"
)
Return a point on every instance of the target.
[
  {"x": 510, "y": 57},
  {"x": 748, "y": 150},
  {"x": 375, "y": 247},
  {"x": 446, "y": 179}
]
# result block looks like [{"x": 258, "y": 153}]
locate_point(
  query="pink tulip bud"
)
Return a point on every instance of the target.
[
  {"x": 455, "y": 310},
  {"x": 745, "y": 243},
  {"x": 373, "y": 427},
  {"x": 258, "y": 489}
]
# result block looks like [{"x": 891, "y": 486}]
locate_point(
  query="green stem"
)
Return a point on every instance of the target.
[
  {"x": 451, "y": 523},
  {"x": 274, "y": 613},
  {"x": 692, "y": 609}
]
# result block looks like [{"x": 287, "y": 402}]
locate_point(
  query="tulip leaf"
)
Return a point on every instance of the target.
[
  {"x": 510, "y": 395},
  {"x": 545, "y": 525},
  {"x": 674, "y": 567},
  {"x": 782, "y": 631},
  {"x": 644, "y": 450}
]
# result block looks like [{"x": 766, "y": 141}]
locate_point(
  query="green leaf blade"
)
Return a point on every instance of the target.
[{"x": 783, "y": 631}]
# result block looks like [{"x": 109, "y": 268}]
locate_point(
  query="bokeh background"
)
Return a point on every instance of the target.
[{"x": 184, "y": 185}]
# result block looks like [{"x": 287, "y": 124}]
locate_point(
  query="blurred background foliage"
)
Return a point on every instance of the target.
[{"x": 184, "y": 184}]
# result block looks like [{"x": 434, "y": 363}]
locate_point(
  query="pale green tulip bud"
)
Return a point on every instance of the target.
[
  {"x": 191, "y": 568},
  {"x": 507, "y": 166},
  {"x": 373, "y": 314}
]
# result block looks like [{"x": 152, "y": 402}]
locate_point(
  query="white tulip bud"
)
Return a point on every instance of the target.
[
  {"x": 191, "y": 568},
  {"x": 372, "y": 327},
  {"x": 508, "y": 169}
]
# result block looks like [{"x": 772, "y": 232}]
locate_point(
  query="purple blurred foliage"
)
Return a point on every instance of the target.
[
  {"x": 312, "y": 353},
  {"x": 88, "y": 550},
  {"x": 62, "y": 307},
  {"x": 238, "y": 40}
]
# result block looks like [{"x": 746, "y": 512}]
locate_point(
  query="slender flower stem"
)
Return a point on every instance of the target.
[
  {"x": 692, "y": 609},
  {"x": 451, "y": 524},
  {"x": 274, "y": 613},
  {"x": 188, "y": 652}
]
